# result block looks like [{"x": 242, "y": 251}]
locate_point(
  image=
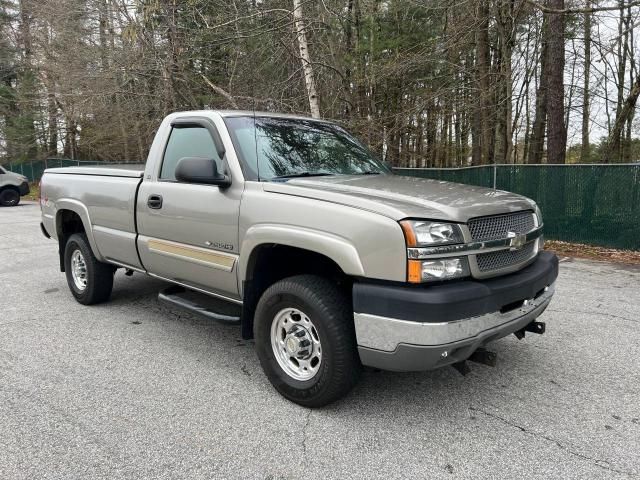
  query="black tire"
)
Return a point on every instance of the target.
[
  {"x": 99, "y": 276},
  {"x": 330, "y": 311},
  {"x": 9, "y": 197}
]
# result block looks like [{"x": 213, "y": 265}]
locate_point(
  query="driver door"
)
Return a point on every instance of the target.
[{"x": 188, "y": 232}]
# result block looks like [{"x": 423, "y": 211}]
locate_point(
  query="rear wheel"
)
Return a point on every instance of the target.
[
  {"x": 9, "y": 197},
  {"x": 305, "y": 340},
  {"x": 89, "y": 280}
]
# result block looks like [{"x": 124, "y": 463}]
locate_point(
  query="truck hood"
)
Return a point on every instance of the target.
[
  {"x": 15, "y": 177},
  {"x": 401, "y": 197}
]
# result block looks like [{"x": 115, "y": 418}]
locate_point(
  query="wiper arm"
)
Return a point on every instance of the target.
[
  {"x": 370, "y": 173},
  {"x": 303, "y": 174}
]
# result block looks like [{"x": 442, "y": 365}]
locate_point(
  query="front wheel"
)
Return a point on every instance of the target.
[
  {"x": 305, "y": 340},
  {"x": 9, "y": 197},
  {"x": 89, "y": 280}
]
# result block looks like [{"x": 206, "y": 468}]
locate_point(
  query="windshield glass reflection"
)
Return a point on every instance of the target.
[{"x": 273, "y": 148}]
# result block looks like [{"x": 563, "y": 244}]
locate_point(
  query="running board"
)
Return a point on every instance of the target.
[{"x": 208, "y": 307}]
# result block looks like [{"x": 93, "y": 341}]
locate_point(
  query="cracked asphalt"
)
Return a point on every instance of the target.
[{"x": 135, "y": 389}]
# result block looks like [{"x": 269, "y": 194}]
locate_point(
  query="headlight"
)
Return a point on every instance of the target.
[
  {"x": 437, "y": 269},
  {"x": 538, "y": 216},
  {"x": 425, "y": 233}
]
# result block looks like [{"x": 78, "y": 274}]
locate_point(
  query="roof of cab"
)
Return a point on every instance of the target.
[{"x": 249, "y": 113}]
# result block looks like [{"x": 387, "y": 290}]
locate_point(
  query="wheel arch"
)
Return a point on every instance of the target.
[
  {"x": 73, "y": 217},
  {"x": 337, "y": 249},
  {"x": 278, "y": 253}
]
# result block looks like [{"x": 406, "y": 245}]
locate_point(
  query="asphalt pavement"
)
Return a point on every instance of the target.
[{"x": 136, "y": 389}]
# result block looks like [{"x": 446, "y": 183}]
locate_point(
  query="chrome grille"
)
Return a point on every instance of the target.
[
  {"x": 488, "y": 262},
  {"x": 496, "y": 227}
]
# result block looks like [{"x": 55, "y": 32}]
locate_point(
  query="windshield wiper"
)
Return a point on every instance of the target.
[
  {"x": 369, "y": 173},
  {"x": 302, "y": 174}
]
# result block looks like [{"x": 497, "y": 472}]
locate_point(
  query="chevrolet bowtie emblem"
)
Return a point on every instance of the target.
[{"x": 516, "y": 240}]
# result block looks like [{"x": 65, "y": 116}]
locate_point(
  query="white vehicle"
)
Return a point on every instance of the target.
[{"x": 12, "y": 187}]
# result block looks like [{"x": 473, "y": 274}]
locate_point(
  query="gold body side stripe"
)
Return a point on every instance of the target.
[{"x": 201, "y": 256}]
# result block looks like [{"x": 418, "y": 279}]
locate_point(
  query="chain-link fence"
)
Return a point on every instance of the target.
[
  {"x": 595, "y": 204},
  {"x": 33, "y": 170}
]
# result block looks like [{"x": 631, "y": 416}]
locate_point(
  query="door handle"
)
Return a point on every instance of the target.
[{"x": 154, "y": 201}]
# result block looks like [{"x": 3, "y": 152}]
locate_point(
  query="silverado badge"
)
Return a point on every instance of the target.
[{"x": 516, "y": 240}]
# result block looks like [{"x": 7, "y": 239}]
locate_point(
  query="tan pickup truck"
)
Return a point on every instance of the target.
[{"x": 291, "y": 228}]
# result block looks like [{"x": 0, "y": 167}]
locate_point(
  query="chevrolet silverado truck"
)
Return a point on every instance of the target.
[
  {"x": 291, "y": 228},
  {"x": 12, "y": 187}
]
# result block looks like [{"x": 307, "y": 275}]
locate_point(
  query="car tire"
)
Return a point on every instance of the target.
[
  {"x": 89, "y": 280},
  {"x": 9, "y": 197},
  {"x": 309, "y": 319}
]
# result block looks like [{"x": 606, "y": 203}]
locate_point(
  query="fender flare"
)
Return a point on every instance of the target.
[
  {"x": 81, "y": 210},
  {"x": 336, "y": 248}
]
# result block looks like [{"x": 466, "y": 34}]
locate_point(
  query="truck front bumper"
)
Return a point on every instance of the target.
[
  {"x": 406, "y": 328},
  {"x": 24, "y": 188}
]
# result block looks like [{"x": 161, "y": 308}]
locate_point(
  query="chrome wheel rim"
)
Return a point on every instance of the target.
[
  {"x": 13, "y": 199},
  {"x": 296, "y": 344},
  {"x": 78, "y": 270}
]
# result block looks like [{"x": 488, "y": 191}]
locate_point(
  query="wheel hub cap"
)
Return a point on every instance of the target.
[
  {"x": 292, "y": 345},
  {"x": 296, "y": 344}
]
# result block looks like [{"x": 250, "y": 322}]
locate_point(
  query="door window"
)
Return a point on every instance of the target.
[{"x": 187, "y": 142}]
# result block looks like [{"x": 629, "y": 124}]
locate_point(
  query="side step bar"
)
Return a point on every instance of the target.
[{"x": 211, "y": 308}]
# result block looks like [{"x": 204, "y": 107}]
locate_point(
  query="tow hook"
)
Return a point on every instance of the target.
[
  {"x": 484, "y": 356},
  {"x": 462, "y": 367},
  {"x": 533, "y": 327},
  {"x": 481, "y": 355}
]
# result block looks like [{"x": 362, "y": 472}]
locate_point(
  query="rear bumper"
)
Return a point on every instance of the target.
[
  {"x": 44, "y": 230},
  {"x": 405, "y": 329},
  {"x": 23, "y": 188}
]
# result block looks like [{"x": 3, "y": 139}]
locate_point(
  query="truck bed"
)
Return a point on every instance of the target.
[{"x": 105, "y": 199}]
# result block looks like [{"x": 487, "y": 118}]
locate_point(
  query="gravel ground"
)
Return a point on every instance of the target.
[{"x": 135, "y": 389}]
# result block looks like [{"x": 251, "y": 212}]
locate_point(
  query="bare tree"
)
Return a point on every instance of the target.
[
  {"x": 585, "y": 153},
  {"x": 438, "y": 83},
  {"x": 307, "y": 66}
]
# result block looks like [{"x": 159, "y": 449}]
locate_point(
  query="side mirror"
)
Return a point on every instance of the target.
[{"x": 200, "y": 170}]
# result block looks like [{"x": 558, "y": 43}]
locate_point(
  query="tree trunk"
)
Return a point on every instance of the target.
[
  {"x": 26, "y": 86},
  {"x": 503, "y": 137},
  {"x": 613, "y": 143},
  {"x": 483, "y": 81},
  {"x": 557, "y": 134},
  {"x": 632, "y": 69},
  {"x": 307, "y": 66},
  {"x": 623, "y": 36},
  {"x": 52, "y": 123},
  {"x": 536, "y": 143},
  {"x": 585, "y": 153},
  {"x": 350, "y": 54}
]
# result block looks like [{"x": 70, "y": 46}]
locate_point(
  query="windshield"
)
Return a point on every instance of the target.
[{"x": 288, "y": 148}]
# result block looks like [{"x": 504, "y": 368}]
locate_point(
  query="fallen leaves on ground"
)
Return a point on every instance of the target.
[{"x": 579, "y": 250}]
